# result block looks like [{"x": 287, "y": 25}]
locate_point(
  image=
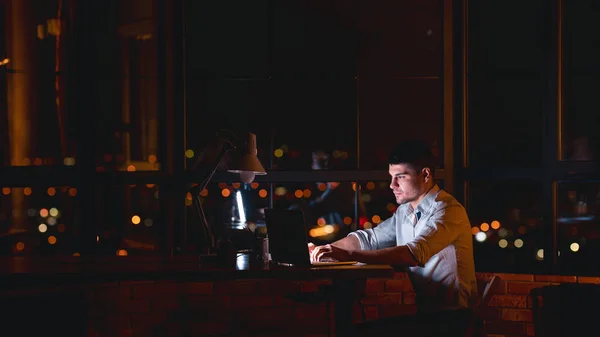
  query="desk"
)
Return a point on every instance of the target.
[{"x": 21, "y": 273}]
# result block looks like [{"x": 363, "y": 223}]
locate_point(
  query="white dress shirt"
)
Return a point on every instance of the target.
[{"x": 438, "y": 235}]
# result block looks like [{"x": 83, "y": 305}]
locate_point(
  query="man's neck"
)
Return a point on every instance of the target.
[{"x": 416, "y": 203}]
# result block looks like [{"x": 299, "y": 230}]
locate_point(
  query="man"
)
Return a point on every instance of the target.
[{"x": 430, "y": 235}]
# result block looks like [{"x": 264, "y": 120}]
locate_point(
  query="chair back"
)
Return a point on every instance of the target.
[
  {"x": 485, "y": 291},
  {"x": 568, "y": 309}
]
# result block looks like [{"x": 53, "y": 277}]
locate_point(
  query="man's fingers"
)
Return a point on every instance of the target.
[
  {"x": 320, "y": 252},
  {"x": 315, "y": 252}
]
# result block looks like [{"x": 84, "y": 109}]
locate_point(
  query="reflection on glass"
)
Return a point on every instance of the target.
[
  {"x": 37, "y": 53},
  {"x": 39, "y": 221},
  {"x": 506, "y": 224},
  {"x": 578, "y": 226},
  {"x": 33, "y": 59},
  {"x": 233, "y": 209},
  {"x": 128, "y": 219}
]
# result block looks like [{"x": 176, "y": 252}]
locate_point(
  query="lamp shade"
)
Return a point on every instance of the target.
[{"x": 248, "y": 164}]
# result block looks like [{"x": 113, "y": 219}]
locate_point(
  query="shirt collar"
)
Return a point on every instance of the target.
[{"x": 428, "y": 200}]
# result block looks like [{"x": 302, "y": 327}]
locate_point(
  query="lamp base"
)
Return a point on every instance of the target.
[{"x": 224, "y": 254}]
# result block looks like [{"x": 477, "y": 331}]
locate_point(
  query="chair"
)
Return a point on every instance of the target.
[
  {"x": 568, "y": 309},
  {"x": 486, "y": 290}
]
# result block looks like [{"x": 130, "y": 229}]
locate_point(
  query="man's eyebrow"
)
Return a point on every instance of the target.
[{"x": 401, "y": 173}]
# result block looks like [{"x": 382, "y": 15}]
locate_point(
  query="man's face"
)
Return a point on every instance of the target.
[{"x": 407, "y": 184}]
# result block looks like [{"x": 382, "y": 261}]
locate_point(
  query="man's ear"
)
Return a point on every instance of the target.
[{"x": 426, "y": 174}]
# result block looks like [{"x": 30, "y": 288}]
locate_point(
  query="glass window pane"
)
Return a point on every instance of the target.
[
  {"x": 505, "y": 114},
  {"x": 128, "y": 219},
  {"x": 395, "y": 110},
  {"x": 226, "y": 43},
  {"x": 226, "y": 110},
  {"x": 39, "y": 221},
  {"x": 36, "y": 127},
  {"x": 315, "y": 117},
  {"x": 578, "y": 226},
  {"x": 127, "y": 103},
  {"x": 327, "y": 206},
  {"x": 36, "y": 54},
  {"x": 506, "y": 222},
  {"x": 399, "y": 39},
  {"x": 507, "y": 85},
  {"x": 232, "y": 209},
  {"x": 581, "y": 75},
  {"x": 313, "y": 39}
]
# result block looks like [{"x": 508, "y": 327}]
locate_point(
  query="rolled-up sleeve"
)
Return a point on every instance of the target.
[
  {"x": 382, "y": 236},
  {"x": 442, "y": 229}
]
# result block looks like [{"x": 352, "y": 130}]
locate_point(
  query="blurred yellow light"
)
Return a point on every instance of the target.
[
  {"x": 53, "y": 212},
  {"x": 225, "y": 192},
  {"x": 574, "y": 247},
  {"x": 136, "y": 219},
  {"x": 484, "y": 227},
  {"x": 262, "y": 193},
  {"x": 278, "y": 153}
]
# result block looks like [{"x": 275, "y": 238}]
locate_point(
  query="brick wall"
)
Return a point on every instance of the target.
[{"x": 260, "y": 307}]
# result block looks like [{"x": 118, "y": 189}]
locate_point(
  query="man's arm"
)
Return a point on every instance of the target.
[
  {"x": 342, "y": 245},
  {"x": 397, "y": 256},
  {"x": 348, "y": 243},
  {"x": 348, "y": 249}
]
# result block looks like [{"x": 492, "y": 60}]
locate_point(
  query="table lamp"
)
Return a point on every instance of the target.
[{"x": 247, "y": 166}]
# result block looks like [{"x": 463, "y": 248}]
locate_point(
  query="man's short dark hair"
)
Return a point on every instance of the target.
[{"x": 413, "y": 153}]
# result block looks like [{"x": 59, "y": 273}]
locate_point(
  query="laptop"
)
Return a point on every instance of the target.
[{"x": 288, "y": 243}]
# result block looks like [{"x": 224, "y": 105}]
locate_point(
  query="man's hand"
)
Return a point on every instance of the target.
[{"x": 327, "y": 252}]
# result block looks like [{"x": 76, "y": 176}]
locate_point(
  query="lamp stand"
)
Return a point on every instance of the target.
[{"x": 208, "y": 244}]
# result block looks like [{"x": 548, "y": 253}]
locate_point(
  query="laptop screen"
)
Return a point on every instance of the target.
[{"x": 287, "y": 236}]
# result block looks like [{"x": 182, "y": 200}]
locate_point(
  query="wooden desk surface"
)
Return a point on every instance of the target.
[{"x": 24, "y": 271}]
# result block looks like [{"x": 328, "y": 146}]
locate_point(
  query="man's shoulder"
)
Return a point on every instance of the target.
[{"x": 445, "y": 199}]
